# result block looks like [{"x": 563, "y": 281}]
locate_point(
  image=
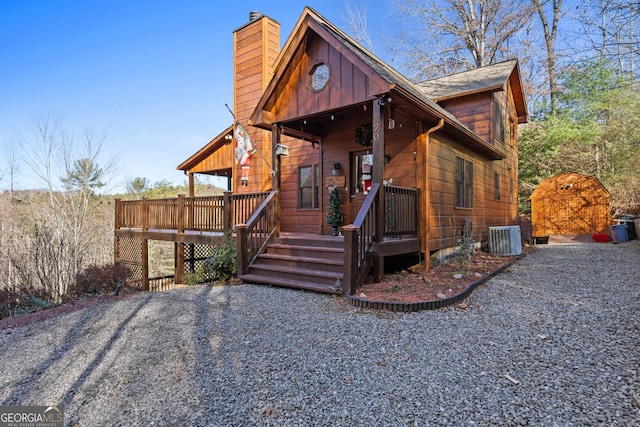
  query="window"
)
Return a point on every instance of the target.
[
  {"x": 464, "y": 183},
  {"x": 308, "y": 187},
  {"x": 496, "y": 185},
  {"x": 498, "y": 120},
  {"x": 318, "y": 77}
]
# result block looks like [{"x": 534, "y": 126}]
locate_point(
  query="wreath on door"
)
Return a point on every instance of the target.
[{"x": 363, "y": 135}]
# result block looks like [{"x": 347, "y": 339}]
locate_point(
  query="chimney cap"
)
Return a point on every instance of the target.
[{"x": 254, "y": 14}]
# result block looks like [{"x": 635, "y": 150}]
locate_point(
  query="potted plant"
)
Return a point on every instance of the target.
[{"x": 334, "y": 216}]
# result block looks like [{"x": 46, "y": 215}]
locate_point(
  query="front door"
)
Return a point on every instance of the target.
[{"x": 360, "y": 175}]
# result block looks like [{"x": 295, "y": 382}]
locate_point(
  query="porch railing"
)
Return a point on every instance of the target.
[
  {"x": 400, "y": 219},
  {"x": 401, "y": 211},
  {"x": 252, "y": 237},
  {"x": 359, "y": 238},
  {"x": 201, "y": 214}
]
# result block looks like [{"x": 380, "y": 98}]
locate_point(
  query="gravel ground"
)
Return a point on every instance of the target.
[{"x": 552, "y": 341}]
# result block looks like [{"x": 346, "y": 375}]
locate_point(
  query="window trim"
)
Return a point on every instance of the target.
[
  {"x": 315, "y": 187},
  {"x": 463, "y": 183},
  {"x": 325, "y": 77},
  {"x": 499, "y": 118}
]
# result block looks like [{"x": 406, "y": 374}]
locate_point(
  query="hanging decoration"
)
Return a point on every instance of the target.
[
  {"x": 244, "y": 152},
  {"x": 363, "y": 135}
]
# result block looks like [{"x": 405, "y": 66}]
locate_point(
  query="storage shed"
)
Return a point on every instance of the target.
[{"x": 570, "y": 203}]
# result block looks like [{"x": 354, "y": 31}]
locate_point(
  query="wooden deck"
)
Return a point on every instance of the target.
[{"x": 266, "y": 255}]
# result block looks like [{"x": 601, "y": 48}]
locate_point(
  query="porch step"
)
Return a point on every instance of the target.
[
  {"x": 307, "y": 262},
  {"x": 295, "y": 284},
  {"x": 307, "y": 251}
]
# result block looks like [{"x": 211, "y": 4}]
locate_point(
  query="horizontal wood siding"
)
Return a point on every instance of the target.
[
  {"x": 293, "y": 219},
  {"x": 445, "y": 220},
  {"x": 474, "y": 112}
]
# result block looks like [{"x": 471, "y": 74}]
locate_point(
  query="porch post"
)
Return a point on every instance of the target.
[
  {"x": 192, "y": 185},
  {"x": 179, "y": 247},
  {"x": 227, "y": 227},
  {"x": 349, "y": 268},
  {"x": 145, "y": 244},
  {"x": 241, "y": 249},
  {"x": 275, "y": 161},
  {"x": 378, "y": 177},
  {"x": 116, "y": 240}
]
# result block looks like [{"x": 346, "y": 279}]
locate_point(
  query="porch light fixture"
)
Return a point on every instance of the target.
[
  {"x": 335, "y": 168},
  {"x": 282, "y": 150},
  {"x": 392, "y": 117}
]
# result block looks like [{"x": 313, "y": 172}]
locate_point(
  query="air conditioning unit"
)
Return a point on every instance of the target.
[{"x": 505, "y": 240}]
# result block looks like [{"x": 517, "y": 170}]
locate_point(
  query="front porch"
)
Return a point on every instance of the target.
[{"x": 385, "y": 225}]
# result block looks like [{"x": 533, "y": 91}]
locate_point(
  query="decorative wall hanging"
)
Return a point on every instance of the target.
[{"x": 363, "y": 135}]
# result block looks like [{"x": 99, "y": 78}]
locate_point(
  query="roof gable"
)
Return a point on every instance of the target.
[
  {"x": 213, "y": 148},
  {"x": 315, "y": 41},
  {"x": 287, "y": 98},
  {"x": 491, "y": 78}
]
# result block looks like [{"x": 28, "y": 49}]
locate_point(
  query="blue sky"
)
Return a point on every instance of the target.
[{"x": 157, "y": 74}]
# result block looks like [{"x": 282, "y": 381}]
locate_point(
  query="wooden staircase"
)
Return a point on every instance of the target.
[{"x": 303, "y": 262}]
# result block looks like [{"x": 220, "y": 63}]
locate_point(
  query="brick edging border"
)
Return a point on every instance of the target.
[{"x": 408, "y": 307}]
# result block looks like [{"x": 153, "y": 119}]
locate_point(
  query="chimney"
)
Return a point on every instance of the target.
[{"x": 256, "y": 47}]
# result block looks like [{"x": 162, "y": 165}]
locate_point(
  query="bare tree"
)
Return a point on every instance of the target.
[
  {"x": 550, "y": 32},
  {"x": 452, "y": 35},
  {"x": 59, "y": 227},
  {"x": 12, "y": 151},
  {"x": 612, "y": 30},
  {"x": 356, "y": 19}
]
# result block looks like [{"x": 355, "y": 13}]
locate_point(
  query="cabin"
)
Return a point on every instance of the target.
[
  {"x": 411, "y": 162},
  {"x": 570, "y": 203}
]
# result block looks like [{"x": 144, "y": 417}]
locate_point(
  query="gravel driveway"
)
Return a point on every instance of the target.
[{"x": 554, "y": 340}]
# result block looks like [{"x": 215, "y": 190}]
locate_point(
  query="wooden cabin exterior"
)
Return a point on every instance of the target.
[
  {"x": 411, "y": 161},
  {"x": 570, "y": 203}
]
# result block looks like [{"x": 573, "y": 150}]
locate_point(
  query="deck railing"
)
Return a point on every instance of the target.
[
  {"x": 202, "y": 214},
  {"x": 401, "y": 211},
  {"x": 252, "y": 237}
]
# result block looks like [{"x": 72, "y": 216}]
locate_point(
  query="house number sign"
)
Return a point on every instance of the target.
[{"x": 376, "y": 127}]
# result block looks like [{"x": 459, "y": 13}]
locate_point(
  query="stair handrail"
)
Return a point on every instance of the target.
[
  {"x": 253, "y": 236},
  {"x": 359, "y": 239}
]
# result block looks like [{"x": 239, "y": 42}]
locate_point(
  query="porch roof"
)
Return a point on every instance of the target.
[{"x": 201, "y": 155}]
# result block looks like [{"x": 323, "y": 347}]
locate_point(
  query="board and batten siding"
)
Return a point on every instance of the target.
[{"x": 347, "y": 85}]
